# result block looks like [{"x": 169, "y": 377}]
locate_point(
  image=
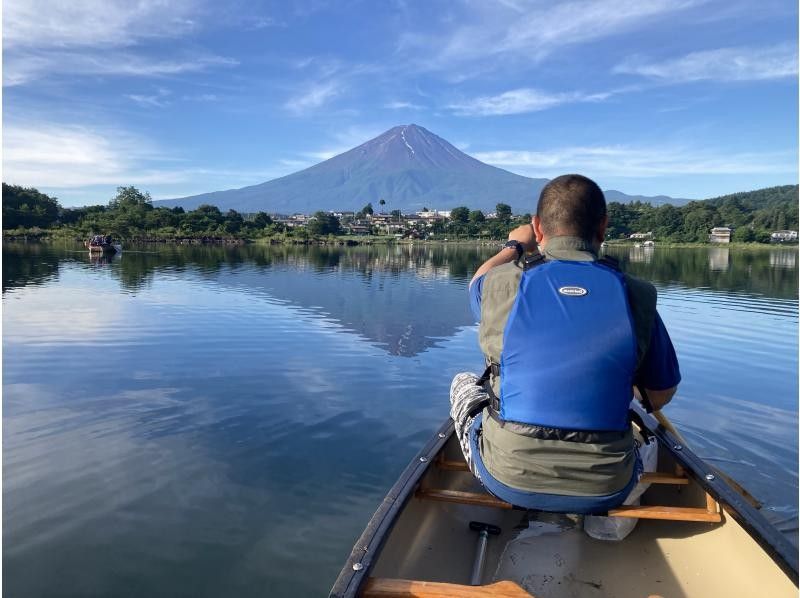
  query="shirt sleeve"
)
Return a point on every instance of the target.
[
  {"x": 475, "y": 291},
  {"x": 659, "y": 368}
]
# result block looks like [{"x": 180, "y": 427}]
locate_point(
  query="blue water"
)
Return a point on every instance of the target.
[{"x": 199, "y": 421}]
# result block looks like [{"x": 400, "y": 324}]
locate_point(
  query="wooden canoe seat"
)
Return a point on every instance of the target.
[
  {"x": 711, "y": 513},
  {"x": 376, "y": 587}
]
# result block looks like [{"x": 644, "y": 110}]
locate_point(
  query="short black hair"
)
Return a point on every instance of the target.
[{"x": 571, "y": 204}]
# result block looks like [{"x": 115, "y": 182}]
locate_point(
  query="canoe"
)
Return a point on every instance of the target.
[
  {"x": 104, "y": 248},
  {"x": 698, "y": 535}
]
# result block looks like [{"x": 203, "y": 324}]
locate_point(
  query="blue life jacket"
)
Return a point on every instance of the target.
[{"x": 569, "y": 350}]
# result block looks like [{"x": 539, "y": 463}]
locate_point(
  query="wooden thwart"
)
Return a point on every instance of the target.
[
  {"x": 376, "y": 587},
  {"x": 668, "y": 513},
  {"x": 709, "y": 514}
]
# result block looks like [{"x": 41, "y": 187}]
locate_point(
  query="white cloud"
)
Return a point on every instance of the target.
[
  {"x": 398, "y": 105},
  {"x": 722, "y": 64},
  {"x": 313, "y": 97},
  {"x": 518, "y": 101},
  {"x": 531, "y": 29},
  {"x": 66, "y": 156},
  {"x": 93, "y": 23},
  {"x": 26, "y": 67},
  {"x": 156, "y": 100},
  {"x": 635, "y": 162},
  {"x": 97, "y": 37}
]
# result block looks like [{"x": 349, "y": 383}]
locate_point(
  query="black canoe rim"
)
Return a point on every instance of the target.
[{"x": 372, "y": 539}]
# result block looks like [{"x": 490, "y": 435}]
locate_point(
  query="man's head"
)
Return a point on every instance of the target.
[{"x": 571, "y": 205}]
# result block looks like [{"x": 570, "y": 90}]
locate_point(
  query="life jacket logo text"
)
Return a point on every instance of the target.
[{"x": 573, "y": 291}]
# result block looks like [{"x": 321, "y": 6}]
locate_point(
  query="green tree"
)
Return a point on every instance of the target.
[
  {"x": 744, "y": 234},
  {"x": 503, "y": 212},
  {"x": 130, "y": 197},
  {"x": 324, "y": 223},
  {"x": 459, "y": 214},
  {"x": 262, "y": 220},
  {"x": 476, "y": 217},
  {"x": 27, "y": 207}
]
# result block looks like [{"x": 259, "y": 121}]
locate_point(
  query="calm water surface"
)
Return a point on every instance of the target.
[{"x": 210, "y": 421}]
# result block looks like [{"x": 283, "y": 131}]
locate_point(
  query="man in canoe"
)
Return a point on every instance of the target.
[{"x": 568, "y": 341}]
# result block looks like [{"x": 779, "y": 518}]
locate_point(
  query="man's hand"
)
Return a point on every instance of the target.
[{"x": 524, "y": 234}]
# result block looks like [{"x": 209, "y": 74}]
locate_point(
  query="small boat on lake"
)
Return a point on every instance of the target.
[
  {"x": 439, "y": 533},
  {"x": 102, "y": 244}
]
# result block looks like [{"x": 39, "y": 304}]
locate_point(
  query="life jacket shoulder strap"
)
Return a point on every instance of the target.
[
  {"x": 610, "y": 262},
  {"x": 533, "y": 260}
]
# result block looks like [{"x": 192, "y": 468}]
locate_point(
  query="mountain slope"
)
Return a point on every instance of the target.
[{"x": 408, "y": 166}]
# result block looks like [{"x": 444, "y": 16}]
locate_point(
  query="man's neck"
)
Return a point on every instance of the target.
[{"x": 567, "y": 247}]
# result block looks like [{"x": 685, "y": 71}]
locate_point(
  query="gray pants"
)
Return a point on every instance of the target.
[{"x": 465, "y": 397}]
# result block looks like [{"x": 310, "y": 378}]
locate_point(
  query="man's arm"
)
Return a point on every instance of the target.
[
  {"x": 658, "y": 399},
  {"x": 523, "y": 234},
  {"x": 658, "y": 373}
]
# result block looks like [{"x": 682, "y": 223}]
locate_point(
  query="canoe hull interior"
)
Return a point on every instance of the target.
[{"x": 549, "y": 555}]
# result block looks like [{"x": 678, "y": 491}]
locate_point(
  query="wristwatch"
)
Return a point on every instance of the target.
[{"x": 515, "y": 245}]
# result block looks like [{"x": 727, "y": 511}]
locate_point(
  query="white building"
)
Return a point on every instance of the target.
[
  {"x": 720, "y": 234},
  {"x": 783, "y": 236}
]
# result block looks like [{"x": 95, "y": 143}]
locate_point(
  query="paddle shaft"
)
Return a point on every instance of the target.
[
  {"x": 480, "y": 557},
  {"x": 662, "y": 419}
]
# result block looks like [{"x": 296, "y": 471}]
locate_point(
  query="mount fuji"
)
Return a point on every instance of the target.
[{"x": 407, "y": 166}]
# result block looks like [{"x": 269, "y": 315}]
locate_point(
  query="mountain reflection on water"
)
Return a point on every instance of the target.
[
  {"x": 216, "y": 420},
  {"x": 358, "y": 286}
]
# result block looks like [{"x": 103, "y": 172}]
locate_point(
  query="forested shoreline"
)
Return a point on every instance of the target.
[{"x": 131, "y": 216}]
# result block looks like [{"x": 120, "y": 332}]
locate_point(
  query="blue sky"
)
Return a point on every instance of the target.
[{"x": 689, "y": 98}]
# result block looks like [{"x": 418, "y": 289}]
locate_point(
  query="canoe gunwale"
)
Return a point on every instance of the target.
[
  {"x": 368, "y": 546},
  {"x": 374, "y": 536}
]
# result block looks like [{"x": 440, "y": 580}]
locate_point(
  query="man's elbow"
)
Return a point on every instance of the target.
[{"x": 659, "y": 398}]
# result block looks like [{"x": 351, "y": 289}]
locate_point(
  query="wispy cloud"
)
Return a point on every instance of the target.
[
  {"x": 532, "y": 30},
  {"x": 159, "y": 99},
  {"x": 722, "y": 64},
  {"x": 398, "y": 105},
  {"x": 640, "y": 161},
  {"x": 26, "y": 67},
  {"x": 97, "y": 37},
  {"x": 313, "y": 97},
  {"x": 93, "y": 23},
  {"x": 523, "y": 100},
  {"x": 64, "y": 156}
]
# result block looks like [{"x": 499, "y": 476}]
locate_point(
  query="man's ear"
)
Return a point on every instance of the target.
[{"x": 537, "y": 229}]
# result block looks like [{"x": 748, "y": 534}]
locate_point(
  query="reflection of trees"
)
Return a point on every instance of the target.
[
  {"x": 749, "y": 271},
  {"x": 28, "y": 263}
]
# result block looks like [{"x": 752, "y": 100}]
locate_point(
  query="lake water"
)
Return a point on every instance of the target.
[{"x": 207, "y": 421}]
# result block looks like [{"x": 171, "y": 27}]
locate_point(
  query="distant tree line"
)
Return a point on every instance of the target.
[
  {"x": 130, "y": 214},
  {"x": 752, "y": 215}
]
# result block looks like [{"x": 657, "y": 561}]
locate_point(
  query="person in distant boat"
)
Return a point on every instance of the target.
[{"x": 568, "y": 340}]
